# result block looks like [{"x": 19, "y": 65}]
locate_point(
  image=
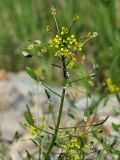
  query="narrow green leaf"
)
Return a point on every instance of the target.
[
  {"x": 31, "y": 73},
  {"x": 105, "y": 144},
  {"x": 28, "y": 116},
  {"x": 95, "y": 128},
  {"x": 17, "y": 135},
  {"x": 118, "y": 97},
  {"x": 51, "y": 128},
  {"x": 50, "y": 107},
  {"x": 29, "y": 156},
  {"x": 47, "y": 94},
  {"x": 22, "y": 125},
  {"x": 105, "y": 100},
  {"x": 114, "y": 142},
  {"x": 116, "y": 127},
  {"x": 36, "y": 143},
  {"x": 47, "y": 158},
  {"x": 117, "y": 152},
  {"x": 100, "y": 122},
  {"x": 71, "y": 115},
  {"x": 98, "y": 155}
]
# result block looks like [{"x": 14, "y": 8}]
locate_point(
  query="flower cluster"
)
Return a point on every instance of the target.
[
  {"x": 66, "y": 45},
  {"x": 111, "y": 87},
  {"x": 53, "y": 11},
  {"x": 35, "y": 130},
  {"x": 29, "y": 47},
  {"x": 74, "y": 155},
  {"x": 72, "y": 144},
  {"x": 63, "y": 136},
  {"x": 71, "y": 147}
]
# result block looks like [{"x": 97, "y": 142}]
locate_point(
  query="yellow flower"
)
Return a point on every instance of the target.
[
  {"x": 65, "y": 45},
  {"x": 92, "y": 35},
  {"x": 63, "y": 135},
  {"x": 64, "y": 30},
  {"x": 44, "y": 118},
  {"x": 53, "y": 11},
  {"x": 44, "y": 50},
  {"x": 71, "y": 148},
  {"x": 42, "y": 126},
  {"x": 76, "y": 18},
  {"x": 32, "y": 130},
  {"x": 29, "y": 47},
  {"x": 48, "y": 28},
  {"x": 72, "y": 63},
  {"x": 111, "y": 87},
  {"x": 74, "y": 156},
  {"x": 72, "y": 144},
  {"x": 24, "y": 140},
  {"x": 83, "y": 57},
  {"x": 72, "y": 36}
]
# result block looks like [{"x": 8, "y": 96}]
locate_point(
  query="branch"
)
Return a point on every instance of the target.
[
  {"x": 56, "y": 66},
  {"x": 43, "y": 130},
  {"x": 50, "y": 89},
  {"x": 90, "y": 76}
]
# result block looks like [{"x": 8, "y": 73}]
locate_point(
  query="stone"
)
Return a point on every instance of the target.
[
  {"x": 20, "y": 147},
  {"x": 5, "y": 75},
  {"x": 9, "y": 95}
]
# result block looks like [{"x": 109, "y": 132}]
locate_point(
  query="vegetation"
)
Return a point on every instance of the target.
[
  {"x": 84, "y": 137},
  {"x": 93, "y": 59},
  {"x": 26, "y": 20}
]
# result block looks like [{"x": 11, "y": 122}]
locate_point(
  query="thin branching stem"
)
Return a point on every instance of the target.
[
  {"x": 56, "y": 66},
  {"x": 56, "y": 24},
  {"x": 60, "y": 111},
  {"x": 76, "y": 80},
  {"x": 43, "y": 130},
  {"x": 71, "y": 26},
  {"x": 50, "y": 89}
]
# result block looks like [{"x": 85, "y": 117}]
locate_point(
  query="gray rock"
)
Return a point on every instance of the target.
[{"x": 9, "y": 95}]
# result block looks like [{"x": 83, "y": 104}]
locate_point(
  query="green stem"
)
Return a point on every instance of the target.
[
  {"x": 39, "y": 149},
  {"x": 60, "y": 111},
  {"x": 56, "y": 25}
]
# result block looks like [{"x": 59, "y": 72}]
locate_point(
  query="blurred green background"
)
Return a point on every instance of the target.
[{"x": 22, "y": 20}]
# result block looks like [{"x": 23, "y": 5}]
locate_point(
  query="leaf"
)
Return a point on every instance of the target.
[
  {"x": 117, "y": 152},
  {"x": 105, "y": 144},
  {"x": 71, "y": 115},
  {"x": 118, "y": 97},
  {"x": 36, "y": 143},
  {"x": 105, "y": 100},
  {"x": 47, "y": 94},
  {"x": 100, "y": 122},
  {"x": 47, "y": 158},
  {"x": 95, "y": 130},
  {"x": 22, "y": 125},
  {"x": 31, "y": 73},
  {"x": 99, "y": 156},
  {"x": 116, "y": 127},
  {"x": 17, "y": 135},
  {"x": 51, "y": 128},
  {"x": 29, "y": 156},
  {"x": 114, "y": 142},
  {"x": 50, "y": 107},
  {"x": 26, "y": 54},
  {"x": 28, "y": 116}
]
